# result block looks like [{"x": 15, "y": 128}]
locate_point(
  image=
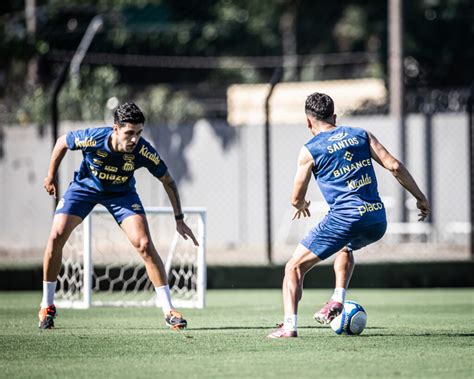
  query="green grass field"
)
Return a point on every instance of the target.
[{"x": 410, "y": 334}]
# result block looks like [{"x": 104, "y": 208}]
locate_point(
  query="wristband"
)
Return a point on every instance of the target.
[{"x": 179, "y": 217}]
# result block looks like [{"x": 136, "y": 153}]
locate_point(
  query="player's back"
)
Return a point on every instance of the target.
[{"x": 344, "y": 172}]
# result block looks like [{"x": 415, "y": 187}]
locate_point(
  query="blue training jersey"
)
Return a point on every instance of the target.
[
  {"x": 344, "y": 172},
  {"x": 105, "y": 170}
]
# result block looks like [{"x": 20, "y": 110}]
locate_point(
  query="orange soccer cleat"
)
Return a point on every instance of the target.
[
  {"x": 46, "y": 317},
  {"x": 175, "y": 321}
]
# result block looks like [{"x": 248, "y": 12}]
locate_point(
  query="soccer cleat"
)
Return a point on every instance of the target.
[
  {"x": 175, "y": 321},
  {"x": 282, "y": 333},
  {"x": 329, "y": 312},
  {"x": 46, "y": 317}
]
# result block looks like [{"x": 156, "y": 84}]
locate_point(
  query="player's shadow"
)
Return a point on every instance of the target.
[
  {"x": 173, "y": 141},
  {"x": 254, "y": 327},
  {"x": 428, "y": 335},
  {"x": 367, "y": 334}
]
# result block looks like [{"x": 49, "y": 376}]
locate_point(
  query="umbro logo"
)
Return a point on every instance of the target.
[{"x": 338, "y": 136}]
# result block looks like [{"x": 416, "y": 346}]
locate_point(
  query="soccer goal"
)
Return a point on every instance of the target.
[{"x": 101, "y": 267}]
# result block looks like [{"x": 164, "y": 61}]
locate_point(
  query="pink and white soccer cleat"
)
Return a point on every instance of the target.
[
  {"x": 329, "y": 312},
  {"x": 282, "y": 333}
]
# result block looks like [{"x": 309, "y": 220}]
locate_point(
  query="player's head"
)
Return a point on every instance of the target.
[
  {"x": 128, "y": 126},
  {"x": 128, "y": 113},
  {"x": 320, "y": 107}
]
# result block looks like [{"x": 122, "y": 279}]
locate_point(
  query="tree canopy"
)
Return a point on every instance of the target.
[{"x": 211, "y": 43}]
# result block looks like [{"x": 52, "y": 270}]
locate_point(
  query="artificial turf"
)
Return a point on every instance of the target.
[{"x": 413, "y": 333}]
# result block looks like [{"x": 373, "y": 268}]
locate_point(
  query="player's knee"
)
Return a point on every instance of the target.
[
  {"x": 346, "y": 250},
  {"x": 143, "y": 246},
  {"x": 293, "y": 267},
  {"x": 57, "y": 237}
]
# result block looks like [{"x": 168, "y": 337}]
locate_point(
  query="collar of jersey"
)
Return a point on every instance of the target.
[
  {"x": 106, "y": 144},
  {"x": 331, "y": 131}
]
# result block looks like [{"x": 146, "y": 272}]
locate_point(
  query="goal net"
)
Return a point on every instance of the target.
[{"x": 101, "y": 267}]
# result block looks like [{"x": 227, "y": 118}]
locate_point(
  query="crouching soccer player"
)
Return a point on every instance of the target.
[
  {"x": 111, "y": 155},
  {"x": 340, "y": 158}
]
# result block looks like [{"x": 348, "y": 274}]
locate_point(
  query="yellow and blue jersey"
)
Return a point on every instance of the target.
[
  {"x": 106, "y": 171},
  {"x": 344, "y": 172}
]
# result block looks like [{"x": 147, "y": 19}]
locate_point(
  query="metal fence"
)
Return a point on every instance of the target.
[{"x": 222, "y": 168}]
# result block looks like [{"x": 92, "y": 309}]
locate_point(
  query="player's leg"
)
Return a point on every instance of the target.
[
  {"x": 72, "y": 209},
  {"x": 343, "y": 268},
  {"x": 136, "y": 228},
  {"x": 344, "y": 263},
  {"x": 61, "y": 229},
  {"x": 300, "y": 263},
  {"x": 329, "y": 237}
]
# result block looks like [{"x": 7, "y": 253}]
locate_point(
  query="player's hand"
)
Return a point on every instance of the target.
[
  {"x": 424, "y": 208},
  {"x": 185, "y": 231},
  {"x": 303, "y": 211},
  {"x": 50, "y": 184}
]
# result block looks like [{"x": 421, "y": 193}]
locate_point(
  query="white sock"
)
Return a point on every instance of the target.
[
  {"x": 164, "y": 298},
  {"x": 290, "y": 323},
  {"x": 49, "y": 289},
  {"x": 339, "y": 295}
]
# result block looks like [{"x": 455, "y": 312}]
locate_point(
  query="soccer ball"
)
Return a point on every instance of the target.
[{"x": 351, "y": 321}]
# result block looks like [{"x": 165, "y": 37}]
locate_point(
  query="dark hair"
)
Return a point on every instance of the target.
[
  {"x": 128, "y": 113},
  {"x": 320, "y": 106}
]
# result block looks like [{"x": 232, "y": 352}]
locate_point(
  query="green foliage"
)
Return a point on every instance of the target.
[
  {"x": 33, "y": 108},
  {"x": 436, "y": 35},
  {"x": 161, "y": 105},
  {"x": 87, "y": 100},
  {"x": 104, "y": 4},
  {"x": 351, "y": 28}
]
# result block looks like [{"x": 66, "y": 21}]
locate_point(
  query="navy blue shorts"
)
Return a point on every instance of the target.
[
  {"x": 330, "y": 236},
  {"x": 79, "y": 201}
]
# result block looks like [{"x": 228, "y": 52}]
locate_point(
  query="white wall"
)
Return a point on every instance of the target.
[{"x": 222, "y": 168}]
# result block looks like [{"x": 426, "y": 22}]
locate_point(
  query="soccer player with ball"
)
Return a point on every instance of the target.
[
  {"x": 110, "y": 157},
  {"x": 340, "y": 158}
]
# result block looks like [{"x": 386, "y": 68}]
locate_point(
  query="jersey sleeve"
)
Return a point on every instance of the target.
[
  {"x": 151, "y": 159},
  {"x": 83, "y": 139}
]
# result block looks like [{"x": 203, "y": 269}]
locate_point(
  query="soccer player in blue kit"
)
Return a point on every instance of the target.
[
  {"x": 340, "y": 158},
  {"x": 110, "y": 157}
]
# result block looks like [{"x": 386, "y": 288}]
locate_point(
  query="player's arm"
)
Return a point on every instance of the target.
[
  {"x": 300, "y": 185},
  {"x": 59, "y": 151},
  {"x": 172, "y": 191},
  {"x": 381, "y": 155}
]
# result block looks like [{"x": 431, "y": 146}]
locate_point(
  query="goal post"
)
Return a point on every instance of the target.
[{"x": 101, "y": 268}]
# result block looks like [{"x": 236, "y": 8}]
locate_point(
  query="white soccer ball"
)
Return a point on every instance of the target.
[{"x": 352, "y": 320}]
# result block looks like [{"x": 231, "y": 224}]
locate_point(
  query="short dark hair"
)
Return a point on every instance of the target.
[
  {"x": 128, "y": 113},
  {"x": 320, "y": 106}
]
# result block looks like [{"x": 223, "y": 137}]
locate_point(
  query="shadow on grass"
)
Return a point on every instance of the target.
[
  {"x": 367, "y": 334},
  {"x": 440, "y": 334},
  {"x": 268, "y": 327},
  {"x": 263, "y": 327}
]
